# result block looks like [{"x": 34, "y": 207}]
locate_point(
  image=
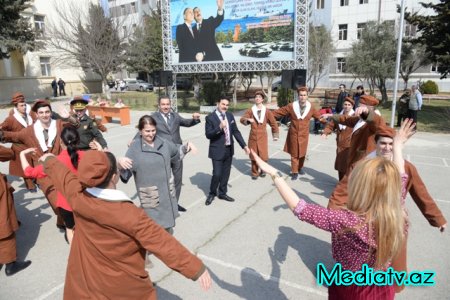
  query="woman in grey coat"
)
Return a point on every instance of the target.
[{"x": 148, "y": 160}]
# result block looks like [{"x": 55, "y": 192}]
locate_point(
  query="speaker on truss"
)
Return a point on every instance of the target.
[
  {"x": 293, "y": 79},
  {"x": 162, "y": 78}
]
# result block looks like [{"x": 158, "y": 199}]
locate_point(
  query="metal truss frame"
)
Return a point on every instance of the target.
[{"x": 300, "y": 60}]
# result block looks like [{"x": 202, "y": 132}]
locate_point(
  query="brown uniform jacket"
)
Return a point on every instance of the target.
[
  {"x": 27, "y": 137},
  {"x": 298, "y": 134},
  {"x": 107, "y": 257},
  {"x": 363, "y": 139},
  {"x": 11, "y": 124},
  {"x": 257, "y": 140},
  {"x": 343, "y": 139},
  {"x": 414, "y": 186},
  {"x": 8, "y": 219}
]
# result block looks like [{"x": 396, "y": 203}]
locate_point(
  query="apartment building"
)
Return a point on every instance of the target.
[
  {"x": 33, "y": 72},
  {"x": 347, "y": 18}
]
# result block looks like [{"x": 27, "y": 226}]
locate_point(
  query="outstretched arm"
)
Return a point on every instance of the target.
[{"x": 401, "y": 137}]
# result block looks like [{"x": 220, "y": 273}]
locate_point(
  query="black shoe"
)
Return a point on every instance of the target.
[
  {"x": 226, "y": 198},
  {"x": 262, "y": 174},
  {"x": 294, "y": 176},
  {"x": 65, "y": 237},
  {"x": 1, "y": 266},
  {"x": 181, "y": 208},
  {"x": 254, "y": 177},
  {"x": 209, "y": 200},
  {"x": 17, "y": 266},
  {"x": 301, "y": 172},
  {"x": 61, "y": 228}
]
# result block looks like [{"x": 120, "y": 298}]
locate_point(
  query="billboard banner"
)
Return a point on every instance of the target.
[{"x": 231, "y": 31}]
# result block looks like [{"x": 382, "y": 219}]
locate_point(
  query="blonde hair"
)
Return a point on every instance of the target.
[{"x": 374, "y": 192}]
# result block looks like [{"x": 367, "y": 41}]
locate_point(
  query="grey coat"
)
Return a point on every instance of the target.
[{"x": 151, "y": 171}]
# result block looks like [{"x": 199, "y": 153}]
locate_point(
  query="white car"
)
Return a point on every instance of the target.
[{"x": 137, "y": 85}]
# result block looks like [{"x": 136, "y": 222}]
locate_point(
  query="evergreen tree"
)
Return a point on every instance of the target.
[
  {"x": 145, "y": 52},
  {"x": 434, "y": 33},
  {"x": 15, "y": 31}
]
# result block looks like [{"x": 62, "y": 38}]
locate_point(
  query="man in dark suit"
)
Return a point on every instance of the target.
[
  {"x": 205, "y": 33},
  {"x": 168, "y": 127},
  {"x": 219, "y": 129},
  {"x": 187, "y": 46}
]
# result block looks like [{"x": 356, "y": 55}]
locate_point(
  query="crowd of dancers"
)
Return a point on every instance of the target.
[{"x": 66, "y": 156}]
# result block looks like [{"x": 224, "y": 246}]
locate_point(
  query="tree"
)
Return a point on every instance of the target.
[
  {"x": 373, "y": 56},
  {"x": 15, "y": 31},
  {"x": 90, "y": 40},
  {"x": 413, "y": 57},
  {"x": 145, "y": 51},
  {"x": 434, "y": 33},
  {"x": 320, "y": 50}
]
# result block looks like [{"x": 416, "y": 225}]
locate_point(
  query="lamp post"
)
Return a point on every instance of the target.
[{"x": 397, "y": 63}]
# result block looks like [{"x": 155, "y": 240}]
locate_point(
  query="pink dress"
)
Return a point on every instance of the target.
[{"x": 350, "y": 248}]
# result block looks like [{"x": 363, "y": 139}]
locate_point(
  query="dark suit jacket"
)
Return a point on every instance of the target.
[
  {"x": 206, "y": 38},
  {"x": 172, "y": 134},
  {"x": 187, "y": 46},
  {"x": 216, "y": 135}
]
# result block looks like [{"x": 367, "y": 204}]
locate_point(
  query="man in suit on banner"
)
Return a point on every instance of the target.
[
  {"x": 205, "y": 32},
  {"x": 220, "y": 129},
  {"x": 187, "y": 46}
]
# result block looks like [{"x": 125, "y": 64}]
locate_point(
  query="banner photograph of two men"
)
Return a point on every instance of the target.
[{"x": 232, "y": 30}]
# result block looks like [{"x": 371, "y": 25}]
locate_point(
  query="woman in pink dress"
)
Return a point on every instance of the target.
[{"x": 371, "y": 229}]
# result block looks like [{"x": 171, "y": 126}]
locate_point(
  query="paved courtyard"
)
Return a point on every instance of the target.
[{"x": 254, "y": 248}]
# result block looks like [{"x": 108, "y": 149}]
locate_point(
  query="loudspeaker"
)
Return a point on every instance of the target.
[
  {"x": 162, "y": 78},
  {"x": 292, "y": 79},
  {"x": 286, "y": 78},
  {"x": 299, "y": 78}
]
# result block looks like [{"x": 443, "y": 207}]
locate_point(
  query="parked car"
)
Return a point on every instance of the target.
[
  {"x": 227, "y": 45},
  {"x": 137, "y": 85},
  {"x": 254, "y": 50},
  {"x": 276, "y": 86},
  {"x": 184, "y": 84}
]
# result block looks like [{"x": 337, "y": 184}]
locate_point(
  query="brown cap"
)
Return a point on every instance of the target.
[
  {"x": 348, "y": 99},
  {"x": 40, "y": 103},
  {"x": 368, "y": 100},
  {"x": 93, "y": 168},
  {"x": 78, "y": 103},
  {"x": 259, "y": 93},
  {"x": 17, "y": 98},
  {"x": 385, "y": 131}
]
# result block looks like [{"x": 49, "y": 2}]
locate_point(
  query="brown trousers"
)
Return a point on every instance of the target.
[
  {"x": 297, "y": 164},
  {"x": 399, "y": 263},
  {"x": 8, "y": 251}
]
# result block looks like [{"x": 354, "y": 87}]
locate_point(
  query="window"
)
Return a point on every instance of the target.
[
  {"x": 359, "y": 30},
  {"x": 363, "y": 1},
  {"x": 320, "y": 4},
  {"x": 133, "y": 7},
  {"x": 46, "y": 70},
  {"x": 123, "y": 10},
  {"x": 410, "y": 30},
  {"x": 340, "y": 65},
  {"x": 144, "y": 1},
  {"x": 344, "y": 2},
  {"x": 343, "y": 32},
  {"x": 39, "y": 25}
]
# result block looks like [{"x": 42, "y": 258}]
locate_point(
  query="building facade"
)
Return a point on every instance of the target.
[
  {"x": 347, "y": 18},
  {"x": 33, "y": 72}
]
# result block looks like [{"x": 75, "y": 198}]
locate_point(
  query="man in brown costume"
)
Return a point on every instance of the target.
[
  {"x": 384, "y": 144},
  {"x": 343, "y": 137},
  {"x": 44, "y": 135},
  {"x": 112, "y": 234},
  {"x": 300, "y": 113},
  {"x": 258, "y": 116},
  {"x": 8, "y": 223},
  {"x": 365, "y": 123},
  {"x": 20, "y": 117}
]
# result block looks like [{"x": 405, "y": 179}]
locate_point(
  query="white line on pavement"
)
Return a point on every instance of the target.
[
  {"x": 265, "y": 276},
  {"x": 51, "y": 292}
]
